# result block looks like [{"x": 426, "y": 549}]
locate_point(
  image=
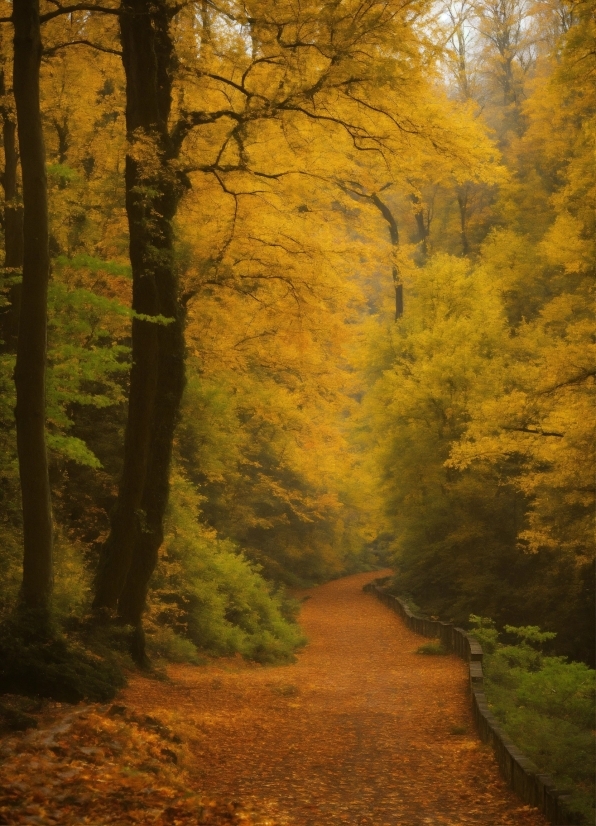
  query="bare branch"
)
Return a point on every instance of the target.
[
  {"x": 225, "y": 189},
  {"x": 382, "y": 112},
  {"x": 357, "y": 133},
  {"x": 535, "y": 431},
  {"x": 276, "y": 61},
  {"x": 188, "y": 120},
  {"x": 51, "y": 50},
  {"x": 578, "y": 379},
  {"x": 271, "y": 175},
  {"x": 78, "y": 7}
]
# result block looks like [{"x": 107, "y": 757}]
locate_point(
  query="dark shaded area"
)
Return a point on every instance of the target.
[{"x": 46, "y": 664}]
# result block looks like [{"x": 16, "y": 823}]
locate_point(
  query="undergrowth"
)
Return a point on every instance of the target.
[
  {"x": 545, "y": 704},
  {"x": 206, "y": 599},
  {"x": 206, "y": 595},
  {"x": 45, "y": 663},
  {"x": 56, "y": 656},
  {"x": 434, "y": 647}
]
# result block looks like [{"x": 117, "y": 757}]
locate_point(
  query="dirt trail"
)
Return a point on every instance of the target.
[{"x": 361, "y": 730}]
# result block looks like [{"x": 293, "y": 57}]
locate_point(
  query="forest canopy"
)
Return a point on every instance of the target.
[{"x": 292, "y": 290}]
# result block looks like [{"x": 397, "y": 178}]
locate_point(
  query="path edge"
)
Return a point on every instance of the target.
[{"x": 522, "y": 775}]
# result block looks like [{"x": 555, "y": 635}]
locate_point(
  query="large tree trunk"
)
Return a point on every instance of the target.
[
  {"x": 31, "y": 346},
  {"x": 156, "y": 491},
  {"x": 13, "y": 222},
  {"x": 157, "y": 375}
]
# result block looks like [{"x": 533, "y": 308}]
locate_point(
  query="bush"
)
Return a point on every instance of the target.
[
  {"x": 72, "y": 580},
  {"x": 55, "y": 657},
  {"x": 434, "y": 648},
  {"x": 11, "y": 568},
  {"x": 206, "y": 591},
  {"x": 17, "y": 713},
  {"x": 163, "y": 642},
  {"x": 545, "y": 704},
  {"x": 38, "y": 661}
]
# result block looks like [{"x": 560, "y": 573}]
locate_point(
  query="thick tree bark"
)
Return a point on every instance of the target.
[
  {"x": 157, "y": 375},
  {"x": 31, "y": 346}
]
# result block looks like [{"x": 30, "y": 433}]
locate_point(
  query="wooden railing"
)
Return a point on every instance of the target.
[{"x": 522, "y": 775}]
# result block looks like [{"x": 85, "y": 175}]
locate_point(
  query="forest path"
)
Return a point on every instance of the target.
[{"x": 360, "y": 730}]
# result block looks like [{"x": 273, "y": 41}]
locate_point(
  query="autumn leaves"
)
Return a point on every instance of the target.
[
  {"x": 480, "y": 399},
  {"x": 271, "y": 176}
]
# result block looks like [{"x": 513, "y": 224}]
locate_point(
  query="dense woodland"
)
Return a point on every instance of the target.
[{"x": 292, "y": 290}]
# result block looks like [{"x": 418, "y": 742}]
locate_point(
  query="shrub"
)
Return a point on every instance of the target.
[
  {"x": 54, "y": 657},
  {"x": 36, "y": 660},
  {"x": 164, "y": 642},
  {"x": 208, "y": 592},
  {"x": 72, "y": 580},
  {"x": 434, "y": 648},
  {"x": 545, "y": 704}
]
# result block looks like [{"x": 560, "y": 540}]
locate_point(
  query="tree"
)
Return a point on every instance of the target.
[
  {"x": 157, "y": 376},
  {"x": 30, "y": 367},
  {"x": 488, "y": 482},
  {"x": 215, "y": 142},
  {"x": 459, "y": 48},
  {"x": 13, "y": 214},
  {"x": 509, "y": 54},
  {"x": 358, "y": 191},
  {"x": 539, "y": 411}
]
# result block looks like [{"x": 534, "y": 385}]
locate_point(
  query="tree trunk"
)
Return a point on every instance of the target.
[
  {"x": 421, "y": 226},
  {"x": 13, "y": 223},
  {"x": 394, "y": 238},
  {"x": 31, "y": 346},
  {"x": 157, "y": 376},
  {"x": 399, "y": 296},
  {"x": 156, "y": 491},
  {"x": 462, "y": 201}
]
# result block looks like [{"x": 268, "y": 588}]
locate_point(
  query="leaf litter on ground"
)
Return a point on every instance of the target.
[
  {"x": 361, "y": 730},
  {"x": 101, "y": 765}
]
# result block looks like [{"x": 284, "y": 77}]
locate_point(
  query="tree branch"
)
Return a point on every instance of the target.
[
  {"x": 536, "y": 431},
  {"x": 581, "y": 377},
  {"x": 53, "y": 49},
  {"x": 188, "y": 120},
  {"x": 77, "y": 7},
  {"x": 357, "y": 133}
]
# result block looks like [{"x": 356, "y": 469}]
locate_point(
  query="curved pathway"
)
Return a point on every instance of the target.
[{"x": 360, "y": 730}]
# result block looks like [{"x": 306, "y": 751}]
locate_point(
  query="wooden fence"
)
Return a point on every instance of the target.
[{"x": 521, "y": 774}]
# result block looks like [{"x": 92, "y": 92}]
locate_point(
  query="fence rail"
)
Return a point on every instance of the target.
[{"x": 522, "y": 775}]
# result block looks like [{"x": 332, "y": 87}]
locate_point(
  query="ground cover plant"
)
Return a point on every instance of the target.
[{"x": 433, "y": 648}]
